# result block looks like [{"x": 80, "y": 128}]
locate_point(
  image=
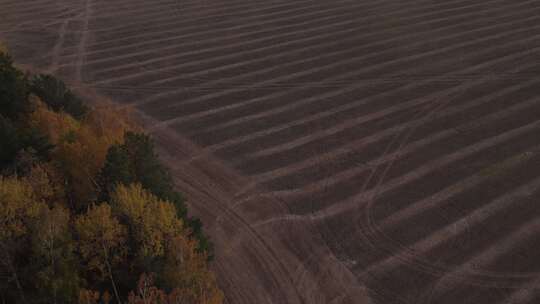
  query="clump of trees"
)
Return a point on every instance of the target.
[
  {"x": 134, "y": 161},
  {"x": 57, "y": 96},
  {"x": 88, "y": 214}
]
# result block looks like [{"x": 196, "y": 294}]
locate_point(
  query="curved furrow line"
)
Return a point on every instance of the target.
[
  {"x": 198, "y": 5},
  {"x": 246, "y": 96},
  {"x": 122, "y": 3},
  {"x": 524, "y": 294},
  {"x": 33, "y": 16},
  {"x": 195, "y": 30},
  {"x": 168, "y": 36},
  {"x": 344, "y": 90},
  {"x": 418, "y": 207},
  {"x": 227, "y": 283},
  {"x": 59, "y": 43},
  {"x": 376, "y": 194},
  {"x": 409, "y": 148},
  {"x": 212, "y": 40},
  {"x": 349, "y": 124},
  {"x": 29, "y": 25},
  {"x": 171, "y": 21},
  {"x": 172, "y": 118},
  {"x": 173, "y": 48},
  {"x": 138, "y": 39},
  {"x": 300, "y": 273},
  {"x": 35, "y": 9},
  {"x": 113, "y": 4},
  {"x": 353, "y": 202},
  {"x": 347, "y": 30},
  {"x": 361, "y": 198},
  {"x": 165, "y": 27},
  {"x": 258, "y": 18},
  {"x": 227, "y": 9},
  {"x": 265, "y": 50},
  {"x": 400, "y": 141},
  {"x": 120, "y": 7},
  {"x": 375, "y": 229},
  {"x": 269, "y": 131},
  {"x": 361, "y": 119},
  {"x": 423, "y": 170},
  {"x": 455, "y": 277},
  {"x": 244, "y": 140},
  {"x": 274, "y": 262},
  {"x": 295, "y": 168},
  {"x": 81, "y": 49},
  {"x": 317, "y": 49},
  {"x": 42, "y": 9},
  {"x": 139, "y": 30},
  {"x": 476, "y": 217},
  {"x": 406, "y": 212},
  {"x": 45, "y": 13},
  {"x": 20, "y": 5},
  {"x": 265, "y": 253},
  {"x": 353, "y": 73},
  {"x": 201, "y": 5},
  {"x": 479, "y": 234},
  {"x": 372, "y": 198},
  {"x": 328, "y": 156}
]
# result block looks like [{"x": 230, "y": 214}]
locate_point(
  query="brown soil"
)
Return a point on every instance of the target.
[{"x": 369, "y": 151}]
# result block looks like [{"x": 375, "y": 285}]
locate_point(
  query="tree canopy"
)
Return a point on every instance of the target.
[
  {"x": 135, "y": 161},
  {"x": 57, "y": 96},
  {"x": 88, "y": 213}
]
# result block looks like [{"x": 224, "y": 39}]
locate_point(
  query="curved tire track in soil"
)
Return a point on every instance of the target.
[{"x": 347, "y": 152}]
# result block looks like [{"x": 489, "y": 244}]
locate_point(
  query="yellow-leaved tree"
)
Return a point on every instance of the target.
[
  {"x": 3, "y": 48},
  {"x": 159, "y": 233},
  {"x": 18, "y": 209},
  {"x": 80, "y": 146},
  {"x": 153, "y": 221},
  {"x": 53, "y": 249},
  {"x": 18, "y": 206},
  {"x": 101, "y": 241},
  {"x": 186, "y": 273},
  {"x": 74, "y": 225},
  {"x": 46, "y": 182}
]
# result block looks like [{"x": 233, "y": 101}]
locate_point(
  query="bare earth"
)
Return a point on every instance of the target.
[{"x": 347, "y": 151}]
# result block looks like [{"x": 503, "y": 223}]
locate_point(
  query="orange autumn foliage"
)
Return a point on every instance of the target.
[
  {"x": 159, "y": 233},
  {"x": 67, "y": 238},
  {"x": 80, "y": 146},
  {"x": 18, "y": 207}
]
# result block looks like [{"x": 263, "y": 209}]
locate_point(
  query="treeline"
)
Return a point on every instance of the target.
[{"x": 88, "y": 214}]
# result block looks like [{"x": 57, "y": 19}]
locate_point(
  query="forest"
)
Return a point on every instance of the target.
[{"x": 88, "y": 214}]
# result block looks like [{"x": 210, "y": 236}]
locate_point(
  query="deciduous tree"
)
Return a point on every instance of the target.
[
  {"x": 101, "y": 241},
  {"x": 55, "y": 268},
  {"x": 135, "y": 161},
  {"x": 186, "y": 275},
  {"x": 146, "y": 292},
  {"x": 80, "y": 148},
  {"x": 152, "y": 221},
  {"x": 18, "y": 210}
]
